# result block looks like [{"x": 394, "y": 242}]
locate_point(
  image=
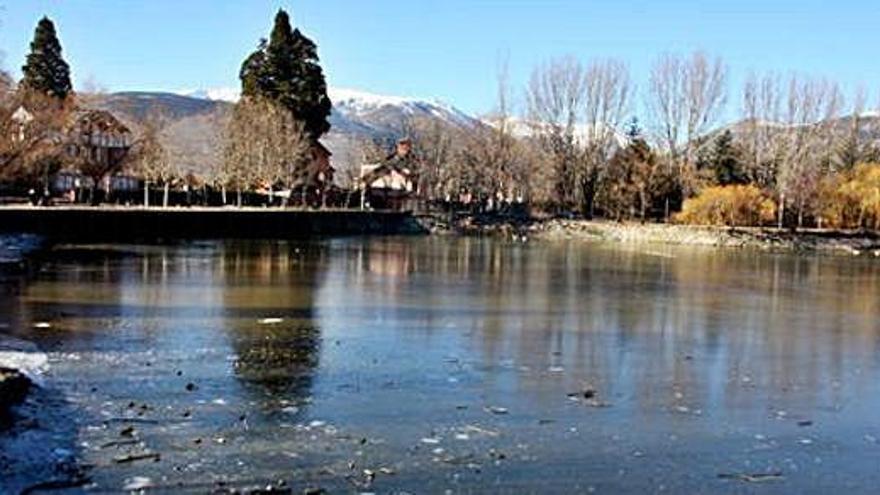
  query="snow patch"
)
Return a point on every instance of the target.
[
  {"x": 24, "y": 356},
  {"x": 354, "y": 103},
  {"x": 213, "y": 94}
]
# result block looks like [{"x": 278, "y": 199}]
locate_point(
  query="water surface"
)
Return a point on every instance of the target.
[{"x": 463, "y": 365}]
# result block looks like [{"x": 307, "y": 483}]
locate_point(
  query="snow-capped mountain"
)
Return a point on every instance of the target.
[
  {"x": 583, "y": 133},
  {"x": 361, "y": 112},
  {"x": 230, "y": 95},
  {"x": 364, "y": 114}
]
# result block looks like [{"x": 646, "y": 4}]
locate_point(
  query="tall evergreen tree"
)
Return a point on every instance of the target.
[
  {"x": 254, "y": 80},
  {"x": 45, "y": 70},
  {"x": 287, "y": 70},
  {"x": 724, "y": 160}
]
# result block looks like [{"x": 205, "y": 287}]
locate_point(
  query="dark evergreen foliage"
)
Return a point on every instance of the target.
[
  {"x": 287, "y": 70},
  {"x": 633, "y": 129},
  {"x": 725, "y": 161},
  {"x": 253, "y": 74},
  {"x": 45, "y": 70}
]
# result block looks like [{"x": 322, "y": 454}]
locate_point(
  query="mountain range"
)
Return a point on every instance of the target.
[
  {"x": 192, "y": 129},
  {"x": 190, "y": 119}
]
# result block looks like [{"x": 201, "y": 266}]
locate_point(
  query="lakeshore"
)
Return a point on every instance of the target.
[
  {"x": 25, "y": 228},
  {"x": 849, "y": 242}
]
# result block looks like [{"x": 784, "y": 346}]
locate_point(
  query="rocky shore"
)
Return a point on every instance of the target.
[
  {"x": 770, "y": 239},
  {"x": 37, "y": 448}
]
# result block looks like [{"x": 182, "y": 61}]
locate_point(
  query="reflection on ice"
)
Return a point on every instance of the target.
[{"x": 434, "y": 364}]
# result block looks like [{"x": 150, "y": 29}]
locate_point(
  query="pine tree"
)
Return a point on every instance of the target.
[
  {"x": 725, "y": 161},
  {"x": 45, "y": 70},
  {"x": 254, "y": 80},
  {"x": 633, "y": 129},
  {"x": 287, "y": 70}
]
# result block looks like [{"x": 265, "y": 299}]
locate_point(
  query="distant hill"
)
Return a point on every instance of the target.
[
  {"x": 356, "y": 116},
  {"x": 138, "y": 105},
  {"x": 868, "y": 125}
]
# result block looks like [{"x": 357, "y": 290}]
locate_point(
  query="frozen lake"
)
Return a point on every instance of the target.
[{"x": 426, "y": 365}]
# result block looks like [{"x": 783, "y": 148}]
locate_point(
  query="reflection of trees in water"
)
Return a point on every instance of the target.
[
  {"x": 636, "y": 322},
  {"x": 690, "y": 321},
  {"x": 273, "y": 280},
  {"x": 280, "y": 359}
]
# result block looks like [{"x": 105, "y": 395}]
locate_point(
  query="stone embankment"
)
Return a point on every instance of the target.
[{"x": 127, "y": 224}]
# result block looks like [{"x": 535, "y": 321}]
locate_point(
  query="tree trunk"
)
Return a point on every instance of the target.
[
  {"x": 238, "y": 192},
  {"x": 642, "y": 205},
  {"x": 165, "y": 194},
  {"x": 781, "y": 218},
  {"x": 223, "y": 194},
  {"x": 146, "y": 194},
  {"x": 800, "y": 215},
  {"x": 93, "y": 195}
]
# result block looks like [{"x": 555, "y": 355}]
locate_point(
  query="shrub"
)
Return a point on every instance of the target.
[
  {"x": 728, "y": 205},
  {"x": 852, "y": 199}
]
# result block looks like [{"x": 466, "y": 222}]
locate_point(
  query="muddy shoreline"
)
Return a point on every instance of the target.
[{"x": 827, "y": 241}]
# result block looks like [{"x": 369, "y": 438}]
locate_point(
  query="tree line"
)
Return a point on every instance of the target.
[
  {"x": 797, "y": 154},
  {"x": 799, "y": 151},
  {"x": 264, "y": 143}
]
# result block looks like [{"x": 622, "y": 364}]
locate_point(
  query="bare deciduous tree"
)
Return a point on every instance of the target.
[
  {"x": 853, "y": 147},
  {"x": 265, "y": 145},
  {"x": 811, "y": 106},
  {"x": 761, "y": 128},
  {"x": 433, "y": 141},
  {"x": 150, "y": 158},
  {"x": 686, "y": 96},
  {"x": 31, "y": 134},
  {"x": 555, "y": 99},
  {"x": 608, "y": 92}
]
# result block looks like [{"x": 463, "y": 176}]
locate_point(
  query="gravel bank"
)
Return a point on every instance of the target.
[{"x": 812, "y": 240}]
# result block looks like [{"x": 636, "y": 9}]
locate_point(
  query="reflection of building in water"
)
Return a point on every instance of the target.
[{"x": 382, "y": 266}]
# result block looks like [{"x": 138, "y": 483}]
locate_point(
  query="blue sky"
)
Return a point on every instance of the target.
[{"x": 445, "y": 49}]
